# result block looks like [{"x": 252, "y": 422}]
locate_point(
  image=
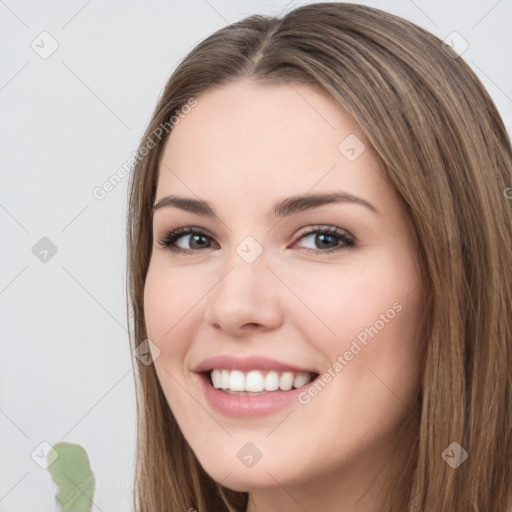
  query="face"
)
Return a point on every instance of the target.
[{"x": 317, "y": 289}]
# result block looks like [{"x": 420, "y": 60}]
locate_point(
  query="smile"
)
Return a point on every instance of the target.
[
  {"x": 251, "y": 386},
  {"x": 246, "y": 404},
  {"x": 257, "y": 381}
]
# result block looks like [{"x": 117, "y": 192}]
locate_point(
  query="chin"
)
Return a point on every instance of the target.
[
  {"x": 237, "y": 477},
  {"x": 245, "y": 481}
]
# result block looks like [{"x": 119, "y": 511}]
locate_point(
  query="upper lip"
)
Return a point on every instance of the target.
[{"x": 245, "y": 364}]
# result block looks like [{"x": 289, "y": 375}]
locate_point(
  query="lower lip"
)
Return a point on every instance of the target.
[{"x": 246, "y": 405}]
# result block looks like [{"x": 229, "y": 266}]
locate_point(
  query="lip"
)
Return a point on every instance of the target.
[
  {"x": 246, "y": 364},
  {"x": 248, "y": 406}
]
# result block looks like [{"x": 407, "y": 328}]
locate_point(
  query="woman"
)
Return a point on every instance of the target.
[{"x": 371, "y": 373}]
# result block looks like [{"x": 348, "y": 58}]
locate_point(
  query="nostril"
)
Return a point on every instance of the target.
[{"x": 251, "y": 325}]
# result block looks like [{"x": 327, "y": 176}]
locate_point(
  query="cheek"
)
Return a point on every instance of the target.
[
  {"x": 340, "y": 302},
  {"x": 158, "y": 306},
  {"x": 169, "y": 301},
  {"x": 165, "y": 317},
  {"x": 170, "y": 298},
  {"x": 370, "y": 316}
]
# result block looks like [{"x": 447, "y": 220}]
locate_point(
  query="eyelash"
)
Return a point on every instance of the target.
[{"x": 174, "y": 235}]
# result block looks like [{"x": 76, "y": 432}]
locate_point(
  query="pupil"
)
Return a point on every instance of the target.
[
  {"x": 195, "y": 239},
  {"x": 324, "y": 236}
]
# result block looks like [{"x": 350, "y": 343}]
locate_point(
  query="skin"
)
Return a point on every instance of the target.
[{"x": 244, "y": 147}]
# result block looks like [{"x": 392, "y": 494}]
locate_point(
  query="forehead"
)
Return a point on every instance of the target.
[{"x": 259, "y": 138}]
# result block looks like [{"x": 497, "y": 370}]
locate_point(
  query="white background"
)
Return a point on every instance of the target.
[{"x": 67, "y": 124}]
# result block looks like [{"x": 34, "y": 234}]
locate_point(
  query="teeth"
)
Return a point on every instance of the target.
[
  {"x": 224, "y": 379},
  {"x": 256, "y": 381},
  {"x": 286, "y": 381},
  {"x": 237, "y": 381},
  {"x": 216, "y": 378},
  {"x": 271, "y": 381},
  {"x": 301, "y": 379}
]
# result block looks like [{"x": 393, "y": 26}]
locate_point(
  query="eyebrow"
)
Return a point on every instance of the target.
[{"x": 288, "y": 206}]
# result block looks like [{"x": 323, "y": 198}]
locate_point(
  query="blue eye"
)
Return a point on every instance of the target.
[
  {"x": 198, "y": 239},
  {"x": 325, "y": 237}
]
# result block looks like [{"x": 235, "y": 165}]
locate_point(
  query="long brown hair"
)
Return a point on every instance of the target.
[{"x": 447, "y": 154}]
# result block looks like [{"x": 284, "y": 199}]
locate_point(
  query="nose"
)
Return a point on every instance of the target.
[{"x": 245, "y": 299}]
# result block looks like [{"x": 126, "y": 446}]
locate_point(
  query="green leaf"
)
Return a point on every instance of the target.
[{"x": 72, "y": 473}]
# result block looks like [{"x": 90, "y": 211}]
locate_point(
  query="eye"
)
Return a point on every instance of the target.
[
  {"x": 323, "y": 239},
  {"x": 196, "y": 238}
]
